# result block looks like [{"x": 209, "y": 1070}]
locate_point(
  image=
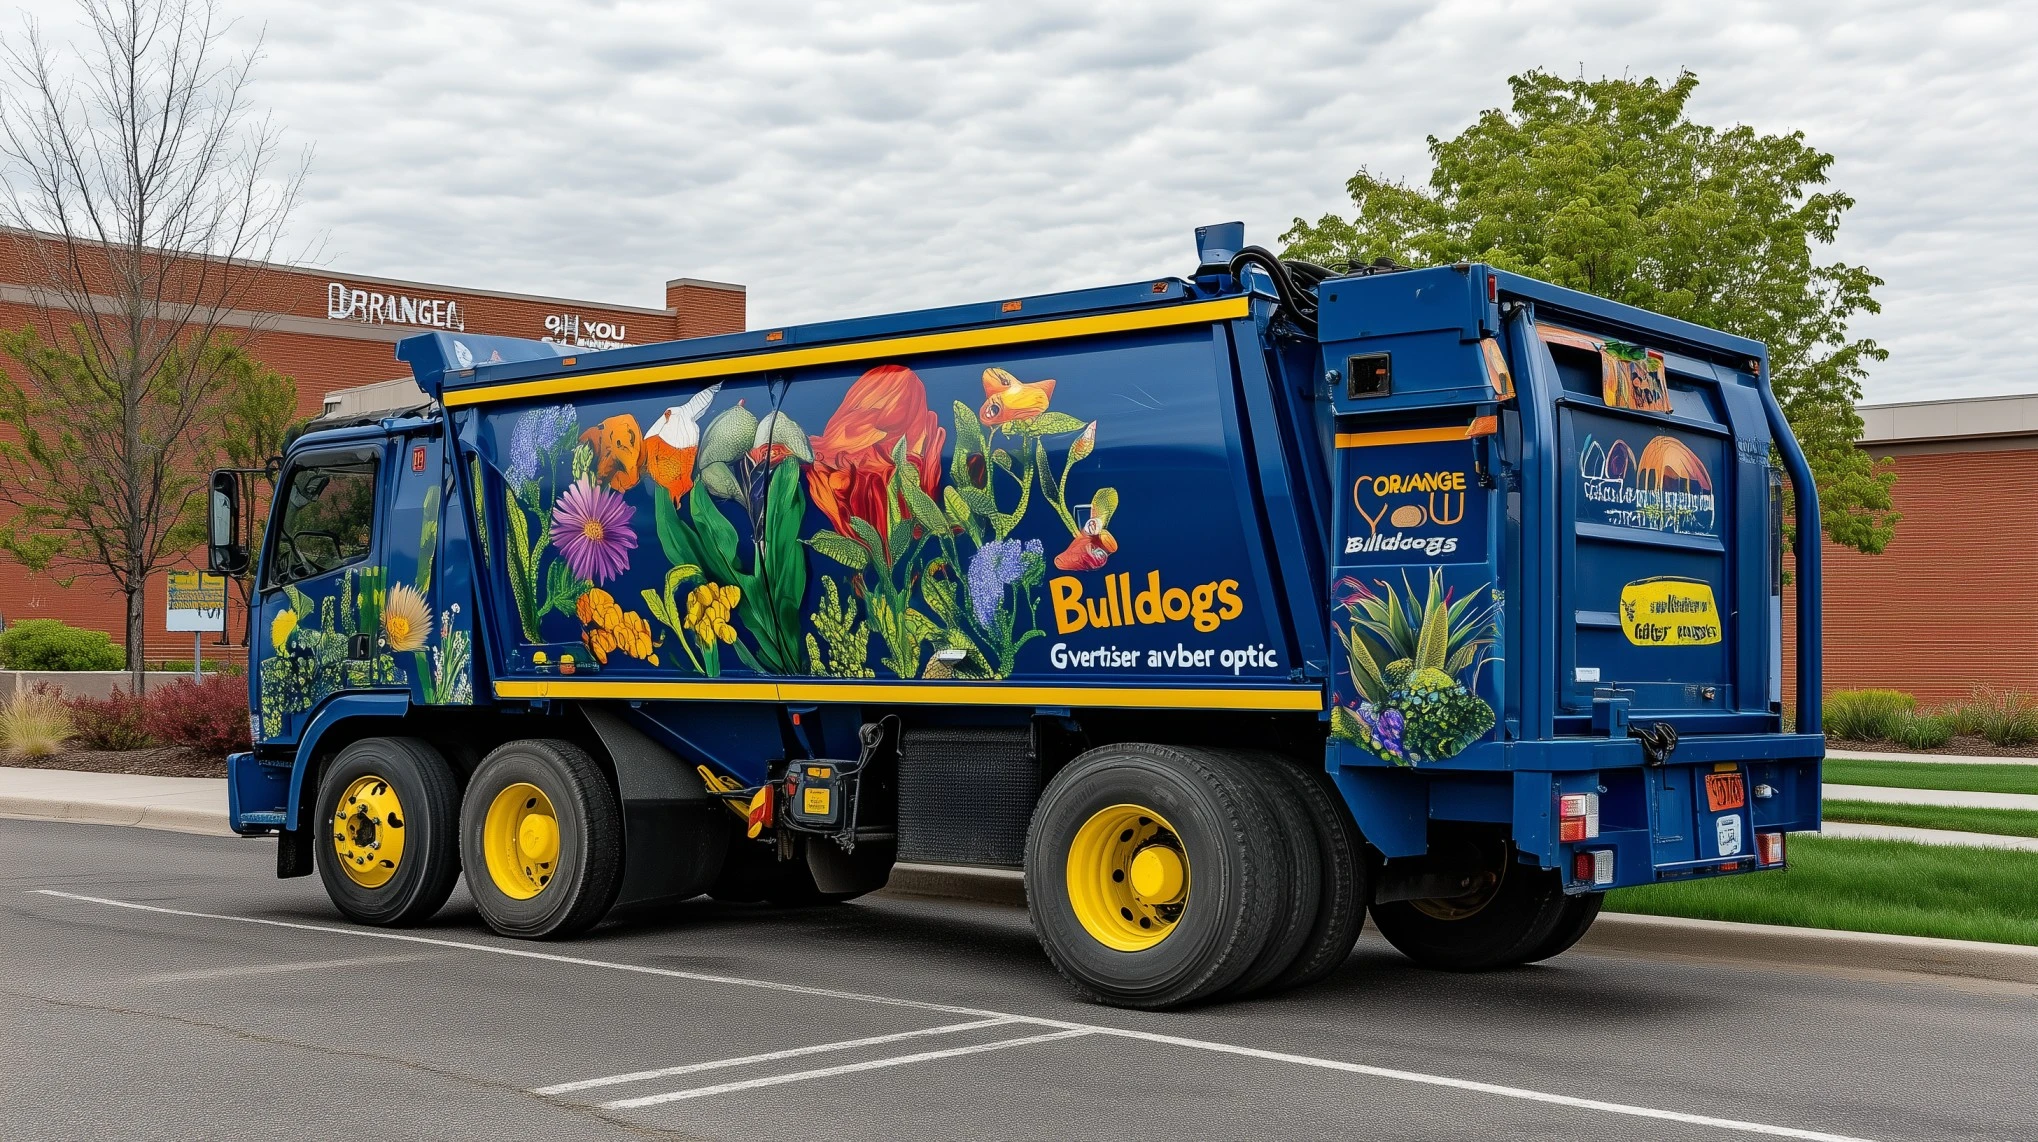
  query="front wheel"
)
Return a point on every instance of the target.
[
  {"x": 1512, "y": 913},
  {"x": 1152, "y": 875},
  {"x": 542, "y": 833},
  {"x": 387, "y": 831}
]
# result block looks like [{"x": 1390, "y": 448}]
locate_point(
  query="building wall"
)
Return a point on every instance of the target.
[
  {"x": 1952, "y": 603},
  {"x": 312, "y": 325}
]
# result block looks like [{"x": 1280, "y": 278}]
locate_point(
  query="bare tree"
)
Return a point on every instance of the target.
[{"x": 140, "y": 195}]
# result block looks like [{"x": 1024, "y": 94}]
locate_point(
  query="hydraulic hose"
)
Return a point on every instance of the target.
[{"x": 1299, "y": 302}]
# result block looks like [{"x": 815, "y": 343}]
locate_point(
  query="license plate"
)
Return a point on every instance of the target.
[{"x": 1725, "y": 791}]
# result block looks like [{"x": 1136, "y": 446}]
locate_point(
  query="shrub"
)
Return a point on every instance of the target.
[
  {"x": 211, "y": 716},
  {"x": 46, "y": 644},
  {"x": 34, "y": 724},
  {"x": 1917, "y": 731},
  {"x": 1866, "y": 715},
  {"x": 112, "y": 723},
  {"x": 2003, "y": 717}
]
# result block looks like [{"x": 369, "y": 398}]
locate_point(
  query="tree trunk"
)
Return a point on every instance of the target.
[{"x": 136, "y": 664}]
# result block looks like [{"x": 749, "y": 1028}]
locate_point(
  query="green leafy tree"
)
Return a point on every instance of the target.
[{"x": 1607, "y": 186}]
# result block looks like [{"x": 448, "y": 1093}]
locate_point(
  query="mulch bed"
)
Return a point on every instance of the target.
[
  {"x": 174, "y": 761},
  {"x": 1971, "y": 746}
]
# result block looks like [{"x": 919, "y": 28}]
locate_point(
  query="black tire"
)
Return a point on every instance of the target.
[
  {"x": 1579, "y": 913},
  {"x": 1300, "y": 884},
  {"x": 1344, "y": 887},
  {"x": 579, "y": 888},
  {"x": 1227, "y": 843},
  {"x": 427, "y": 818},
  {"x": 1498, "y": 927}
]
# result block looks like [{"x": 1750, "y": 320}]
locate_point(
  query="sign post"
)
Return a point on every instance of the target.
[{"x": 197, "y": 603}]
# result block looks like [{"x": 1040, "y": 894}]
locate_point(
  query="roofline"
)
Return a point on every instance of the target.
[
  {"x": 370, "y": 279},
  {"x": 1980, "y": 418}
]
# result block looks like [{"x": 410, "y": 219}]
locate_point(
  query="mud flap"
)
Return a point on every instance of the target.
[
  {"x": 674, "y": 834},
  {"x": 836, "y": 872}
]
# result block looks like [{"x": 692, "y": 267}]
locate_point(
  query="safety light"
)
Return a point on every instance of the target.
[
  {"x": 1577, "y": 816},
  {"x": 1593, "y": 866},
  {"x": 1769, "y": 848}
]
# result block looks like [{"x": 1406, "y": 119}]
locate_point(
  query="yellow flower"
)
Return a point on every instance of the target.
[
  {"x": 406, "y": 620},
  {"x": 281, "y": 628}
]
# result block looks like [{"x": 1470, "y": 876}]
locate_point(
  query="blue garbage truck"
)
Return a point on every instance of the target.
[{"x": 1231, "y": 608}]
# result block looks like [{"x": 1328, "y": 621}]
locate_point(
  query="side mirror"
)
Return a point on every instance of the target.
[{"x": 225, "y": 552}]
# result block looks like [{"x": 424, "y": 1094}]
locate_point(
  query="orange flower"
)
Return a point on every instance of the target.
[{"x": 851, "y": 475}]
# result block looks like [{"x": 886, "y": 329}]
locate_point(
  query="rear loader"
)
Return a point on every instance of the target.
[{"x": 1230, "y": 608}]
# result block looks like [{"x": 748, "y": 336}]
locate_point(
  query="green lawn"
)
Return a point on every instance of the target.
[
  {"x": 1867, "y": 886},
  {"x": 2006, "y": 822},
  {"x": 1931, "y": 775}
]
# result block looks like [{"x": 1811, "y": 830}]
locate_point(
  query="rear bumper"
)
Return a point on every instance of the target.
[{"x": 1671, "y": 822}]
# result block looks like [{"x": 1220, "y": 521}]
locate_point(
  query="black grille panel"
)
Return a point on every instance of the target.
[{"x": 966, "y": 795}]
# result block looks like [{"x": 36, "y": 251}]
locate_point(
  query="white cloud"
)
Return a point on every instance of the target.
[{"x": 846, "y": 158}]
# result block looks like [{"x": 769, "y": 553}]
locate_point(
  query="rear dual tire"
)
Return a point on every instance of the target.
[
  {"x": 1520, "y": 915},
  {"x": 1159, "y": 876}
]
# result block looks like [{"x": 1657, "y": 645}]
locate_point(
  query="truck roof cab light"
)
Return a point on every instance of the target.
[
  {"x": 1593, "y": 866},
  {"x": 1577, "y": 817},
  {"x": 1769, "y": 849}
]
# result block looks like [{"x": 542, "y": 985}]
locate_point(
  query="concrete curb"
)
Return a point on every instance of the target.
[
  {"x": 172, "y": 818},
  {"x": 1632, "y": 933}
]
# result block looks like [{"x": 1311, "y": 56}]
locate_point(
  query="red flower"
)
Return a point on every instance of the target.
[{"x": 852, "y": 469}]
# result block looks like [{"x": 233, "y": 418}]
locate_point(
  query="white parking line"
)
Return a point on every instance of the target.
[
  {"x": 769, "y": 1056},
  {"x": 844, "y": 1069},
  {"x": 1521, "y": 1093},
  {"x": 271, "y": 969}
]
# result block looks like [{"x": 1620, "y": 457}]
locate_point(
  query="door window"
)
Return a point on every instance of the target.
[{"x": 328, "y": 516}]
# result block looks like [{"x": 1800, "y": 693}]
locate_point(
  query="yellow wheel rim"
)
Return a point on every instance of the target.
[
  {"x": 1128, "y": 877},
  {"x": 520, "y": 841},
  {"x": 368, "y": 828}
]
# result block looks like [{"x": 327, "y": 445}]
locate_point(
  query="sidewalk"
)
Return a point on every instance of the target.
[
  {"x": 1949, "y": 798},
  {"x": 1853, "y": 831},
  {"x": 1928, "y": 758},
  {"x": 180, "y": 804}
]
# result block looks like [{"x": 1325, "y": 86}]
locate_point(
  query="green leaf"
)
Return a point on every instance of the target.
[
  {"x": 873, "y": 543},
  {"x": 785, "y": 564},
  {"x": 1052, "y": 424},
  {"x": 679, "y": 542},
  {"x": 840, "y": 548},
  {"x": 727, "y": 438},
  {"x": 720, "y": 481},
  {"x": 717, "y": 537},
  {"x": 780, "y": 429},
  {"x": 924, "y": 510}
]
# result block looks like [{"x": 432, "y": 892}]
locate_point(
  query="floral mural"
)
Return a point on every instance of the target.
[
  {"x": 917, "y": 577},
  {"x": 1414, "y": 662}
]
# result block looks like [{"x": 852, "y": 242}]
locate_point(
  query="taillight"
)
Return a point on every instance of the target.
[
  {"x": 1594, "y": 867},
  {"x": 1769, "y": 849},
  {"x": 1577, "y": 816}
]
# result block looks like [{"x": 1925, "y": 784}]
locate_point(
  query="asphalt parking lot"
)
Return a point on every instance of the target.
[{"x": 161, "y": 985}]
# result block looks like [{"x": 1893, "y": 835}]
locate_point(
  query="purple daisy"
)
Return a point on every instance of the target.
[{"x": 591, "y": 528}]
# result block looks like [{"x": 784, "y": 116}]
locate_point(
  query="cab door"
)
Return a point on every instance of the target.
[{"x": 322, "y": 589}]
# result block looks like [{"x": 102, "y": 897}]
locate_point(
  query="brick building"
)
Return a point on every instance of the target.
[
  {"x": 335, "y": 331},
  {"x": 1953, "y": 601}
]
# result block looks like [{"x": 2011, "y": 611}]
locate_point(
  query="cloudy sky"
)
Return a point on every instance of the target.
[{"x": 858, "y": 157}]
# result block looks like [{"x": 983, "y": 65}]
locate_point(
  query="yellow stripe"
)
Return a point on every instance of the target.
[
  {"x": 1202, "y": 312},
  {"x": 1401, "y": 436},
  {"x": 917, "y": 693}
]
